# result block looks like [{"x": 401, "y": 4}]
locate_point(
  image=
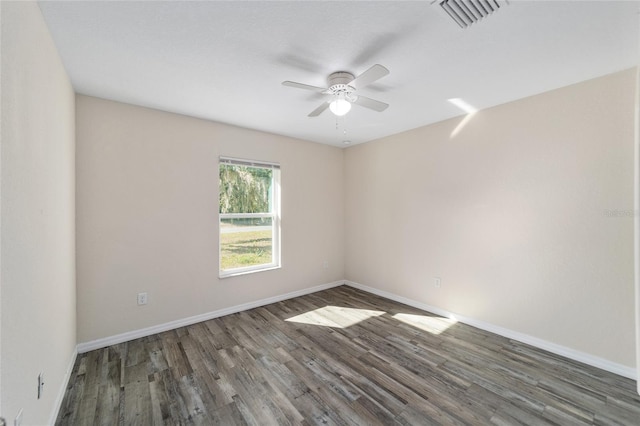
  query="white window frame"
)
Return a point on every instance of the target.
[{"x": 274, "y": 215}]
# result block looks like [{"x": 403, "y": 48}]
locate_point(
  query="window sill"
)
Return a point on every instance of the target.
[{"x": 245, "y": 271}]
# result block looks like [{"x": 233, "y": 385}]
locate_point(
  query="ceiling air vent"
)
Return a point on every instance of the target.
[{"x": 467, "y": 12}]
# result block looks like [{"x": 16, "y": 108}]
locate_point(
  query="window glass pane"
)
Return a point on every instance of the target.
[
  {"x": 249, "y": 217},
  {"x": 245, "y": 242},
  {"x": 245, "y": 189}
]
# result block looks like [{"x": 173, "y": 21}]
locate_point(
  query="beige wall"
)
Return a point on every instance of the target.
[
  {"x": 511, "y": 213},
  {"x": 37, "y": 271},
  {"x": 147, "y": 205}
]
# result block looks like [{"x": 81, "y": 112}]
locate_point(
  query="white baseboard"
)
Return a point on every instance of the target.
[
  {"x": 63, "y": 388},
  {"x": 135, "y": 334},
  {"x": 573, "y": 354}
]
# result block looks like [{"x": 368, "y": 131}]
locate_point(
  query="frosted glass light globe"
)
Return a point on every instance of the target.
[{"x": 340, "y": 107}]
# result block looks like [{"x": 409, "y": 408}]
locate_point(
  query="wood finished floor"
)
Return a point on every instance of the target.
[{"x": 340, "y": 356}]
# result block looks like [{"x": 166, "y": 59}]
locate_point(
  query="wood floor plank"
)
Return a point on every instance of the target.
[
  {"x": 73, "y": 393},
  {"x": 339, "y": 357},
  {"x": 87, "y": 404},
  {"x": 160, "y": 406},
  {"x": 510, "y": 415},
  {"x": 137, "y": 403},
  {"x": 108, "y": 400}
]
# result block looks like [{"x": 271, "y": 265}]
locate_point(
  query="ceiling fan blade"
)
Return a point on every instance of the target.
[
  {"x": 303, "y": 86},
  {"x": 316, "y": 112},
  {"x": 369, "y": 76},
  {"x": 371, "y": 103}
]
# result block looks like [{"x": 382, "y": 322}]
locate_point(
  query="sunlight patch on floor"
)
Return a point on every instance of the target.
[
  {"x": 433, "y": 325},
  {"x": 335, "y": 316}
]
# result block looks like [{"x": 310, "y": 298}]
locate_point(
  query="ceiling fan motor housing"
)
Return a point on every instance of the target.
[{"x": 339, "y": 82}]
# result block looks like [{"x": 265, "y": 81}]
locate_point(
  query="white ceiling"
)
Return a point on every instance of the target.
[{"x": 225, "y": 61}]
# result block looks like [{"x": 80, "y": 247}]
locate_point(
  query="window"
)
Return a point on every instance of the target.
[{"x": 249, "y": 216}]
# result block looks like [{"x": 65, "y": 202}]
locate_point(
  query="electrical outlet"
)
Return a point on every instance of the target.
[
  {"x": 18, "y": 420},
  {"x": 325, "y": 264},
  {"x": 142, "y": 298},
  {"x": 40, "y": 385},
  {"x": 437, "y": 282}
]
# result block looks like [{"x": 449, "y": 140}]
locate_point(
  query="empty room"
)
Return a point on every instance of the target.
[{"x": 319, "y": 212}]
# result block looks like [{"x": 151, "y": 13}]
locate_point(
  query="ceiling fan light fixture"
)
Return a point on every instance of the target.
[
  {"x": 341, "y": 91},
  {"x": 340, "y": 106}
]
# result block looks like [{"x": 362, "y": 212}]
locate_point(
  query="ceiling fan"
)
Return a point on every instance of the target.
[{"x": 342, "y": 89}]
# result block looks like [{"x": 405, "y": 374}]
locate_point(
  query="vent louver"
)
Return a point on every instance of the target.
[{"x": 467, "y": 12}]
